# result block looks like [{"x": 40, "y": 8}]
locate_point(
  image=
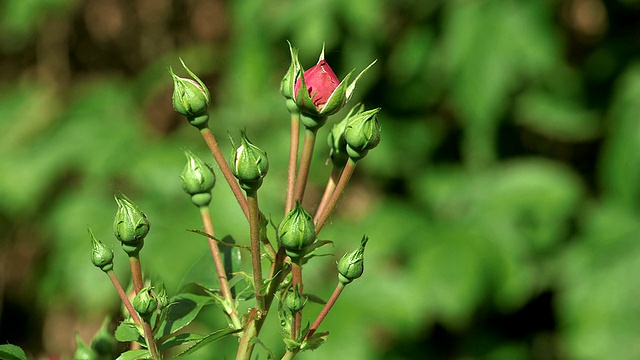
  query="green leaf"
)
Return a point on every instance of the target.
[
  {"x": 135, "y": 355},
  {"x": 315, "y": 299},
  {"x": 216, "y": 335},
  {"x": 127, "y": 331},
  {"x": 12, "y": 352},
  {"x": 179, "y": 339},
  {"x": 316, "y": 340},
  {"x": 183, "y": 308}
]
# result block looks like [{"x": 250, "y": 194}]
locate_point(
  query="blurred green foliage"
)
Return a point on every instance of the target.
[{"x": 502, "y": 204}]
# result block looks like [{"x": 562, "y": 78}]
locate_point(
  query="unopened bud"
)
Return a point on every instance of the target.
[
  {"x": 131, "y": 224},
  {"x": 296, "y": 232},
  {"x": 294, "y": 300},
  {"x": 101, "y": 254},
  {"x": 362, "y": 133},
  {"x": 191, "y": 98},
  {"x": 351, "y": 265},
  {"x": 250, "y": 164},
  {"x": 145, "y": 303},
  {"x": 197, "y": 179}
]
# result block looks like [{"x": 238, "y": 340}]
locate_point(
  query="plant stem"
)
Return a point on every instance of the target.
[
  {"x": 289, "y": 355},
  {"x": 305, "y": 163},
  {"x": 210, "y": 139},
  {"x": 325, "y": 310},
  {"x": 293, "y": 160},
  {"x": 136, "y": 272},
  {"x": 245, "y": 347},
  {"x": 328, "y": 190},
  {"x": 217, "y": 260},
  {"x": 296, "y": 272},
  {"x": 124, "y": 297},
  {"x": 151, "y": 342},
  {"x": 321, "y": 217},
  {"x": 256, "y": 255}
]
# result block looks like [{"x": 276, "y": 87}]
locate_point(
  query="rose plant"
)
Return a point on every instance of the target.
[{"x": 155, "y": 323}]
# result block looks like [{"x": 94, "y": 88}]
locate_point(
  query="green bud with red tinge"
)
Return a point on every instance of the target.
[
  {"x": 191, "y": 98},
  {"x": 250, "y": 164},
  {"x": 351, "y": 265},
  {"x": 362, "y": 133},
  {"x": 197, "y": 179},
  {"x": 101, "y": 255},
  {"x": 296, "y": 232},
  {"x": 130, "y": 225},
  {"x": 145, "y": 303}
]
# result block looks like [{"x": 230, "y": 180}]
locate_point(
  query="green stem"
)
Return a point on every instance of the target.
[
  {"x": 210, "y": 139},
  {"x": 305, "y": 163},
  {"x": 219, "y": 265},
  {"x": 321, "y": 218},
  {"x": 245, "y": 347},
  {"x": 325, "y": 310},
  {"x": 256, "y": 255},
  {"x": 124, "y": 297},
  {"x": 151, "y": 342},
  {"x": 293, "y": 160},
  {"x": 289, "y": 355},
  {"x": 136, "y": 272},
  {"x": 296, "y": 272},
  {"x": 328, "y": 190}
]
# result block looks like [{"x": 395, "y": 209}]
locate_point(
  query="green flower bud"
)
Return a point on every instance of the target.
[
  {"x": 295, "y": 301},
  {"x": 83, "y": 351},
  {"x": 191, "y": 98},
  {"x": 296, "y": 232},
  {"x": 145, "y": 303},
  {"x": 197, "y": 179},
  {"x": 163, "y": 298},
  {"x": 336, "y": 140},
  {"x": 289, "y": 81},
  {"x": 250, "y": 164},
  {"x": 104, "y": 343},
  {"x": 101, "y": 255},
  {"x": 351, "y": 265},
  {"x": 362, "y": 133},
  {"x": 131, "y": 224}
]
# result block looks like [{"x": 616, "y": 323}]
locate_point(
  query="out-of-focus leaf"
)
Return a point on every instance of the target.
[
  {"x": 597, "y": 304},
  {"x": 620, "y": 162},
  {"x": 555, "y": 117},
  {"x": 12, "y": 352}
]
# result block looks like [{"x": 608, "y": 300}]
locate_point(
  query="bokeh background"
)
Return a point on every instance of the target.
[{"x": 503, "y": 203}]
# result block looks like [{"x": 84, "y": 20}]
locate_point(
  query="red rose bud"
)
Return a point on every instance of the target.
[
  {"x": 325, "y": 94},
  {"x": 320, "y": 81}
]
